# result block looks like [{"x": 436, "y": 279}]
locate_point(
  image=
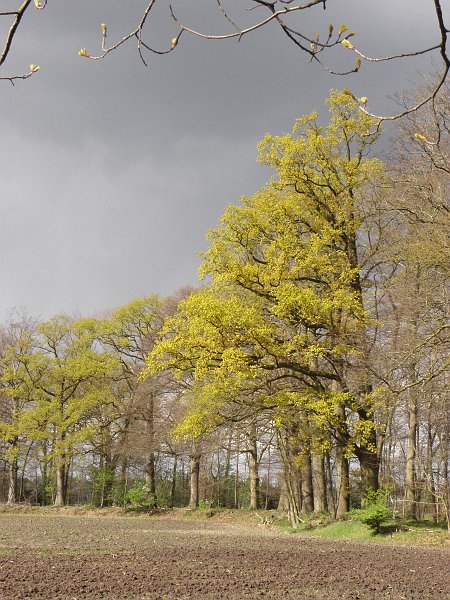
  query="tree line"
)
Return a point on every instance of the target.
[{"x": 310, "y": 368}]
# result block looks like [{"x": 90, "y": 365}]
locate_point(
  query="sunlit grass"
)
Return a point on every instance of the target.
[
  {"x": 408, "y": 532},
  {"x": 348, "y": 530}
]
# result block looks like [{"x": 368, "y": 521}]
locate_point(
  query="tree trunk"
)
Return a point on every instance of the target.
[
  {"x": 236, "y": 474},
  {"x": 343, "y": 484},
  {"x": 445, "y": 456},
  {"x": 370, "y": 466},
  {"x": 252, "y": 451},
  {"x": 150, "y": 480},
  {"x": 21, "y": 494},
  {"x": 291, "y": 478},
  {"x": 318, "y": 477},
  {"x": 329, "y": 487},
  {"x": 12, "y": 481},
  {"x": 307, "y": 484},
  {"x": 431, "y": 487},
  {"x": 342, "y": 467},
  {"x": 369, "y": 457},
  {"x": 194, "y": 467},
  {"x": 283, "y": 501},
  {"x": 266, "y": 504},
  {"x": 410, "y": 470},
  {"x": 228, "y": 484},
  {"x": 44, "y": 474},
  {"x": 174, "y": 482},
  {"x": 60, "y": 496}
]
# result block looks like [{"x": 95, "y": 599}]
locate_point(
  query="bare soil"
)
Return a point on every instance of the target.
[{"x": 54, "y": 557}]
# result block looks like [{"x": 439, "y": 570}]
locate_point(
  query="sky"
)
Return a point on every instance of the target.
[{"x": 112, "y": 172}]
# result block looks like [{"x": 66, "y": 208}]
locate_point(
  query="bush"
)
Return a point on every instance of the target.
[
  {"x": 376, "y": 512},
  {"x": 118, "y": 494},
  {"x": 205, "y": 505},
  {"x": 374, "y": 516},
  {"x": 139, "y": 497}
]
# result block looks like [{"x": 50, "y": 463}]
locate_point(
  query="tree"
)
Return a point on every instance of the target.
[
  {"x": 16, "y": 342},
  {"x": 130, "y": 334},
  {"x": 66, "y": 378},
  {"x": 284, "y": 14},
  {"x": 283, "y": 322},
  {"x": 416, "y": 296}
]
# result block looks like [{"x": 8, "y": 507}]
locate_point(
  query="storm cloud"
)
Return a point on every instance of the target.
[{"x": 113, "y": 172}]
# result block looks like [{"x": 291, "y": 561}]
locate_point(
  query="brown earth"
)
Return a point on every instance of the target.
[{"x": 129, "y": 558}]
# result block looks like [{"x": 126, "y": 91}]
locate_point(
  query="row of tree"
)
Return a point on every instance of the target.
[{"x": 315, "y": 354}]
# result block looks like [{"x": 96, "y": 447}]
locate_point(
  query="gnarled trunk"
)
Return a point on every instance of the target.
[{"x": 370, "y": 467}]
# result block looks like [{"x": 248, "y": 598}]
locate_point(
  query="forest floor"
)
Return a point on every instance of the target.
[{"x": 70, "y": 556}]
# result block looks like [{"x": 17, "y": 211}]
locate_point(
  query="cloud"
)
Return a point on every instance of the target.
[{"x": 112, "y": 172}]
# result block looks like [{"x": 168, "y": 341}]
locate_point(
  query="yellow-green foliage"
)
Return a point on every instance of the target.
[
  {"x": 56, "y": 381},
  {"x": 131, "y": 326},
  {"x": 285, "y": 300}
]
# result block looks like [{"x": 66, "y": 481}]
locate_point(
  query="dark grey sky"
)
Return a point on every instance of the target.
[{"x": 112, "y": 173}]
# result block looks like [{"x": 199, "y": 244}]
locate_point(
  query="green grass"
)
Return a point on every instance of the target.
[
  {"x": 349, "y": 530},
  {"x": 407, "y": 532}
]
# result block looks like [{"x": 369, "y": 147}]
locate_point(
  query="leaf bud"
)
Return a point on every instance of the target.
[
  {"x": 347, "y": 92},
  {"x": 363, "y": 100},
  {"x": 34, "y": 68},
  {"x": 420, "y": 137},
  {"x": 358, "y": 64},
  {"x": 330, "y": 29},
  {"x": 347, "y": 44},
  {"x": 342, "y": 29},
  {"x": 83, "y": 52},
  {"x": 104, "y": 29},
  {"x": 174, "y": 42}
]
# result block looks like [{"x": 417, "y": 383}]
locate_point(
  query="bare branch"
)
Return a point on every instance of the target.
[
  {"x": 33, "y": 69},
  {"x": 240, "y": 33},
  {"x": 136, "y": 33},
  {"x": 279, "y": 12},
  {"x": 12, "y": 30}
]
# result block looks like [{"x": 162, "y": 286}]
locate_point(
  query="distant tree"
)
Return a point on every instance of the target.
[
  {"x": 416, "y": 299},
  {"x": 17, "y": 338},
  {"x": 67, "y": 378},
  {"x": 129, "y": 334}
]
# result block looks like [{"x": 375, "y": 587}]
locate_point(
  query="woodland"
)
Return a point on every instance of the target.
[{"x": 308, "y": 371}]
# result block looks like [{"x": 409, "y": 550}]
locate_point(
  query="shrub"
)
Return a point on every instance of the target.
[
  {"x": 205, "y": 505},
  {"x": 118, "y": 494},
  {"x": 375, "y": 512},
  {"x": 139, "y": 497}
]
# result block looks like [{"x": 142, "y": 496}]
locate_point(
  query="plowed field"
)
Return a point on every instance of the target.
[{"x": 129, "y": 558}]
